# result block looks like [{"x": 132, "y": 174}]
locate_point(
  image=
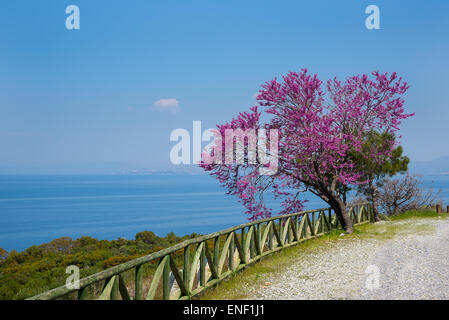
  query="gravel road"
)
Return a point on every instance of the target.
[{"x": 408, "y": 266}]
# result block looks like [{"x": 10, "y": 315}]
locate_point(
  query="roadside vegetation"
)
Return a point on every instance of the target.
[{"x": 40, "y": 268}]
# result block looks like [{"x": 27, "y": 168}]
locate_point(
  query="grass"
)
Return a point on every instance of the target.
[
  {"x": 418, "y": 214},
  {"x": 407, "y": 223}
]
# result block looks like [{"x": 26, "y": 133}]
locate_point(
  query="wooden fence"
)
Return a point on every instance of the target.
[{"x": 206, "y": 260}]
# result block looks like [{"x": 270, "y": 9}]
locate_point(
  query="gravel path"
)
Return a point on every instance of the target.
[{"x": 409, "y": 266}]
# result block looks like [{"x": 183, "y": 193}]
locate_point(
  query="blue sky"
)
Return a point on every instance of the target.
[{"x": 81, "y": 101}]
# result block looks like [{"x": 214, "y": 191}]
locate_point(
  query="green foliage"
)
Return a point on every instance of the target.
[
  {"x": 148, "y": 237},
  {"x": 3, "y": 254},
  {"x": 39, "y": 268},
  {"x": 377, "y": 167}
]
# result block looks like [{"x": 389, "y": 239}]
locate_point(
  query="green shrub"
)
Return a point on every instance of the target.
[{"x": 40, "y": 268}]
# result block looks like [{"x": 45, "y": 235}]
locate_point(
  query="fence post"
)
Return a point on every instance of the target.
[
  {"x": 139, "y": 283},
  {"x": 186, "y": 269},
  {"x": 438, "y": 208},
  {"x": 447, "y": 209}
]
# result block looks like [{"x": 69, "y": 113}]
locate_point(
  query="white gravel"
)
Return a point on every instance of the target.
[{"x": 409, "y": 266}]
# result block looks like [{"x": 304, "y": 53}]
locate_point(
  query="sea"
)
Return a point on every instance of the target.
[{"x": 36, "y": 209}]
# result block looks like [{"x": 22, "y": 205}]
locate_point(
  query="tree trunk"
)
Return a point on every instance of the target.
[
  {"x": 395, "y": 210},
  {"x": 374, "y": 191},
  {"x": 348, "y": 225},
  {"x": 342, "y": 214},
  {"x": 339, "y": 206}
]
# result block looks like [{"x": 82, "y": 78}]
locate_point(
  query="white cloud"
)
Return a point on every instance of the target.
[{"x": 170, "y": 104}]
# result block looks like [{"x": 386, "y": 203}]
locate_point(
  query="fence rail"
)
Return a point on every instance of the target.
[{"x": 208, "y": 259}]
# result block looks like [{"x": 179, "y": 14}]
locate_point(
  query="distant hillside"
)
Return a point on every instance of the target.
[
  {"x": 170, "y": 170},
  {"x": 433, "y": 167},
  {"x": 437, "y": 166}
]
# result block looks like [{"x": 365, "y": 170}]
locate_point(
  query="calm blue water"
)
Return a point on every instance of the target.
[{"x": 37, "y": 209}]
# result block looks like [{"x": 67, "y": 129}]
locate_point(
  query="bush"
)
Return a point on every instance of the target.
[
  {"x": 399, "y": 195},
  {"x": 147, "y": 237},
  {"x": 40, "y": 268}
]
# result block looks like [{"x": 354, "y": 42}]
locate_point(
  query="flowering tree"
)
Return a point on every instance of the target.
[{"x": 317, "y": 130}]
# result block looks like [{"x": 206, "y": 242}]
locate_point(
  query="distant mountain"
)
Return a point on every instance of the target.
[
  {"x": 173, "y": 170},
  {"x": 433, "y": 167},
  {"x": 437, "y": 166}
]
